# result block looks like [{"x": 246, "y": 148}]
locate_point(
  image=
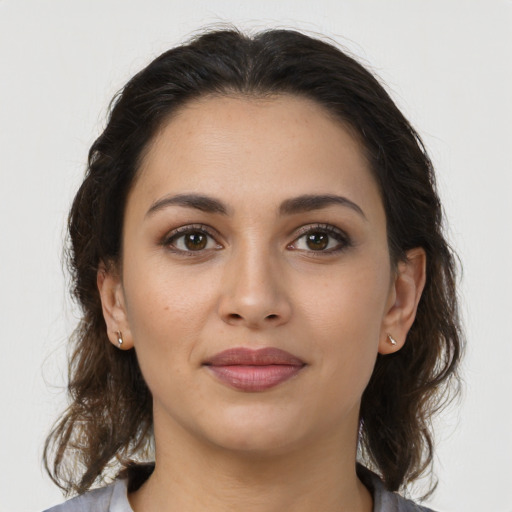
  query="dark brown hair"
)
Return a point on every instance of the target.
[{"x": 109, "y": 421}]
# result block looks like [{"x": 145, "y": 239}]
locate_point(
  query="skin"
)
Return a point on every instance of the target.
[{"x": 257, "y": 283}]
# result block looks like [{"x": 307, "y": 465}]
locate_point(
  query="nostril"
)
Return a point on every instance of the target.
[
  {"x": 235, "y": 316},
  {"x": 271, "y": 317}
]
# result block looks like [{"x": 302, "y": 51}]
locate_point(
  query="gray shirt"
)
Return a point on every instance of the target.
[{"x": 114, "y": 498}]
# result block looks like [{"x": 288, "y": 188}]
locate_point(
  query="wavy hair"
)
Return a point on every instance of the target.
[{"x": 108, "y": 423}]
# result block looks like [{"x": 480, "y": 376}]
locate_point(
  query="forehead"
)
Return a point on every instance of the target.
[{"x": 257, "y": 148}]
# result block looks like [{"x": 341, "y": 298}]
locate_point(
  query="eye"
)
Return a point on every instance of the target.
[
  {"x": 189, "y": 239},
  {"x": 321, "y": 238}
]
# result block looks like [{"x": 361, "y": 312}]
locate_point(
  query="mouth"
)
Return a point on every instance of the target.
[{"x": 254, "y": 370}]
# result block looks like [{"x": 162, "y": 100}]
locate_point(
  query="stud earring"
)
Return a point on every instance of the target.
[
  {"x": 392, "y": 340},
  {"x": 119, "y": 338}
]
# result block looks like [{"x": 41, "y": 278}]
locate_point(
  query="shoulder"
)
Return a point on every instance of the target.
[
  {"x": 112, "y": 498},
  {"x": 384, "y": 500}
]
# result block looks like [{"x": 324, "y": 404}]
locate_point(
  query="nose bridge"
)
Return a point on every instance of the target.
[{"x": 254, "y": 292}]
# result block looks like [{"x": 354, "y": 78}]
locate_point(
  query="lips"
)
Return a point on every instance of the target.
[{"x": 254, "y": 370}]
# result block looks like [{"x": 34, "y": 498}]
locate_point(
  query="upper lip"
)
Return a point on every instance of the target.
[{"x": 253, "y": 357}]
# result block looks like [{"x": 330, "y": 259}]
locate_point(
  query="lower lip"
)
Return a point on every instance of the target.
[{"x": 254, "y": 378}]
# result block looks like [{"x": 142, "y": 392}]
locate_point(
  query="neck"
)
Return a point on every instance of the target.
[{"x": 194, "y": 476}]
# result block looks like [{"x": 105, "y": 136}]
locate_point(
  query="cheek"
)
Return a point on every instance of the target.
[
  {"x": 159, "y": 293},
  {"x": 344, "y": 318},
  {"x": 349, "y": 304},
  {"x": 166, "y": 311}
]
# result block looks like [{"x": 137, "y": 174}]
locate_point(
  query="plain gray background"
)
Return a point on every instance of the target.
[{"x": 447, "y": 63}]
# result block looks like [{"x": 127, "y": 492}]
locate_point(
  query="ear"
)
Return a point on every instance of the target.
[
  {"x": 405, "y": 295},
  {"x": 113, "y": 305}
]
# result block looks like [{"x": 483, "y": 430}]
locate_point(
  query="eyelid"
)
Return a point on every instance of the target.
[
  {"x": 344, "y": 241},
  {"x": 340, "y": 235},
  {"x": 180, "y": 231}
]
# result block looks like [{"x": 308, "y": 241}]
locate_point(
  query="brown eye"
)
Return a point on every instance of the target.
[
  {"x": 323, "y": 238},
  {"x": 195, "y": 241},
  {"x": 190, "y": 239},
  {"x": 317, "y": 241}
]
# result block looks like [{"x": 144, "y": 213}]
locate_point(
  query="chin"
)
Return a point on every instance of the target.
[
  {"x": 258, "y": 432},
  {"x": 257, "y": 444}
]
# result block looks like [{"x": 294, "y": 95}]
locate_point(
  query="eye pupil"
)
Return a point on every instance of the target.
[
  {"x": 317, "y": 241},
  {"x": 195, "y": 241}
]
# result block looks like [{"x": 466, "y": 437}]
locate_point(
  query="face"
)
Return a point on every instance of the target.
[{"x": 256, "y": 284}]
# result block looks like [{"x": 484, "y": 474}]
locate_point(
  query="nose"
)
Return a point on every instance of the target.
[{"x": 254, "y": 292}]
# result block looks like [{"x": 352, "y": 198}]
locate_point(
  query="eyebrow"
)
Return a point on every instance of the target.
[
  {"x": 311, "y": 202},
  {"x": 197, "y": 201},
  {"x": 304, "y": 203}
]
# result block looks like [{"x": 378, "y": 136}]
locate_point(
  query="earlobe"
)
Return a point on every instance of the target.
[
  {"x": 112, "y": 302},
  {"x": 408, "y": 286}
]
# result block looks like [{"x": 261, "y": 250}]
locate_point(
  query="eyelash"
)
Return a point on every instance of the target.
[
  {"x": 332, "y": 232},
  {"x": 171, "y": 239},
  {"x": 341, "y": 237}
]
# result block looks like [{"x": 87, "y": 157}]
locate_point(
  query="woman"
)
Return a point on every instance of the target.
[{"x": 267, "y": 293}]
